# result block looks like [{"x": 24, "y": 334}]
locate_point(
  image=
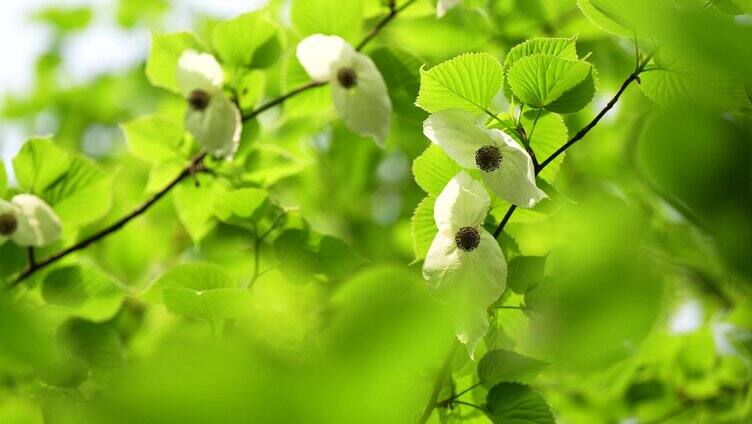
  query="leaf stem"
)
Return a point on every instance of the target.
[{"x": 443, "y": 372}]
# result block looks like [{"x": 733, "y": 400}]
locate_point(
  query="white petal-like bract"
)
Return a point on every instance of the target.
[
  {"x": 458, "y": 133},
  {"x": 464, "y": 202},
  {"x": 468, "y": 280},
  {"x": 320, "y": 53},
  {"x": 38, "y": 224},
  {"x": 199, "y": 71},
  {"x": 514, "y": 181},
  {"x": 366, "y": 108},
  {"x": 216, "y": 128}
]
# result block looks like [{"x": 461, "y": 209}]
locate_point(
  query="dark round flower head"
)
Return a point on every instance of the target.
[
  {"x": 488, "y": 158},
  {"x": 347, "y": 77},
  {"x": 467, "y": 239},
  {"x": 198, "y": 99},
  {"x": 8, "y": 224}
]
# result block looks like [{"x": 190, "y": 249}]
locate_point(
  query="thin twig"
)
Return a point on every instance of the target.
[
  {"x": 195, "y": 165},
  {"x": 451, "y": 400},
  {"x": 634, "y": 76},
  {"x": 32, "y": 259},
  {"x": 445, "y": 369}
]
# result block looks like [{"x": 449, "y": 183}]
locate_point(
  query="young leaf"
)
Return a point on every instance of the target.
[
  {"x": 197, "y": 276},
  {"x": 525, "y": 272},
  {"x": 83, "y": 291},
  {"x": 564, "y": 48},
  {"x": 210, "y": 305},
  {"x": 305, "y": 255},
  {"x": 38, "y": 164},
  {"x": 550, "y": 133},
  {"x": 539, "y": 81},
  {"x": 244, "y": 203},
  {"x": 469, "y": 81},
  {"x": 161, "y": 66},
  {"x": 678, "y": 82},
  {"x": 154, "y": 138},
  {"x": 423, "y": 227},
  {"x": 433, "y": 169},
  {"x": 497, "y": 366},
  {"x": 517, "y": 403},
  {"x": 194, "y": 205},
  {"x": 84, "y": 194},
  {"x": 331, "y": 17},
  {"x": 605, "y": 14},
  {"x": 237, "y": 40},
  {"x": 97, "y": 344}
]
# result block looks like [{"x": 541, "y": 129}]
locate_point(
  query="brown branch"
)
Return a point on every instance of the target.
[
  {"x": 393, "y": 12},
  {"x": 634, "y": 76},
  {"x": 196, "y": 165}
]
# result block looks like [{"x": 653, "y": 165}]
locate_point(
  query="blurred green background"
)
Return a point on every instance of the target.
[{"x": 629, "y": 294}]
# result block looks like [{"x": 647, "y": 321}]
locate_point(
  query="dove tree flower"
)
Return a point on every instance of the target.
[
  {"x": 213, "y": 120},
  {"x": 465, "y": 266},
  {"x": 28, "y": 221},
  {"x": 505, "y": 166},
  {"x": 442, "y": 6},
  {"x": 359, "y": 92}
]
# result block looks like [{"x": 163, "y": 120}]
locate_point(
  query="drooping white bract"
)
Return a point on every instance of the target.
[
  {"x": 442, "y": 6},
  {"x": 465, "y": 266},
  {"x": 358, "y": 90},
  {"x": 213, "y": 120},
  {"x": 506, "y": 167},
  {"x": 28, "y": 221}
]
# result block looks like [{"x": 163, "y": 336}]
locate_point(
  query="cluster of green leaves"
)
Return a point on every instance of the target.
[{"x": 277, "y": 286}]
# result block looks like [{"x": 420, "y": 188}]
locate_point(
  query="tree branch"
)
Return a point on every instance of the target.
[
  {"x": 445, "y": 370},
  {"x": 634, "y": 76},
  {"x": 196, "y": 164},
  {"x": 393, "y": 12}
]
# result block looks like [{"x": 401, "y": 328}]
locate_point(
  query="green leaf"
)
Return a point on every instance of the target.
[
  {"x": 540, "y": 81},
  {"x": 564, "y": 48},
  {"x": 194, "y": 205},
  {"x": 605, "y": 14},
  {"x": 678, "y": 82},
  {"x": 237, "y": 40},
  {"x": 250, "y": 88},
  {"x": 305, "y": 255},
  {"x": 197, "y": 276},
  {"x": 154, "y": 138},
  {"x": 525, "y": 272},
  {"x": 211, "y": 305},
  {"x": 267, "y": 164},
  {"x": 423, "y": 227},
  {"x": 83, "y": 291},
  {"x": 331, "y": 17},
  {"x": 38, "y": 164},
  {"x": 3, "y": 180},
  {"x": 84, "y": 195},
  {"x": 433, "y": 169},
  {"x": 517, "y": 403},
  {"x": 469, "y": 81},
  {"x": 166, "y": 49},
  {"x": 65, "y": 19},
  {"x": 498, "y": 366},
  {"x": 97, "y": 344},
  {"x": 244, "y": 203}
]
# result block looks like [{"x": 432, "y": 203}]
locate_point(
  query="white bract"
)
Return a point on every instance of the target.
[
  {"x": 213, "y": 120},
  {"x": 28, "y": 221},
  {"x": 465, "y": 266},
  {"x": 358, "y": 90},
  {"x": 506, "y": 167},
  {"x": 442, "y": 6}
]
